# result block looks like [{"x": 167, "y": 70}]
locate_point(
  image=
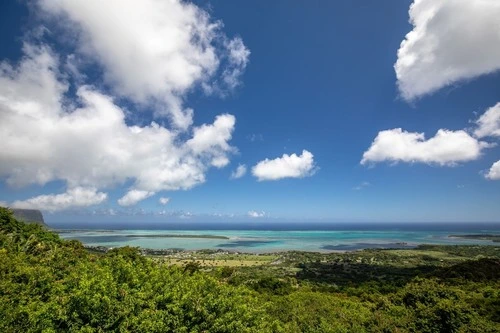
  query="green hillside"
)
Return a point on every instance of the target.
[{"x": 51, "y": 285}]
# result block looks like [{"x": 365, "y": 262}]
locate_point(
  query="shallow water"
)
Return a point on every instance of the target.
[{"x": 261, "y": 241}]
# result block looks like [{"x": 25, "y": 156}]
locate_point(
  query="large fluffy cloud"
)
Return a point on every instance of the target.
[
  {"x": 489, "y": 123},
  {"x": 45, "y": 137},
  {"x": 73, "y": 198},
  {"x": 445, "y": 148},
  {"x": 287, "y": 166},
  {"x": 152, "y": 52},
  {"x": 494, "y": 172},
  {"x": 450, "y": 41}
]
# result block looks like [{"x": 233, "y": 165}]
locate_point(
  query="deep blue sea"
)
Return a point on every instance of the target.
[{"x": 262, "y": 238}]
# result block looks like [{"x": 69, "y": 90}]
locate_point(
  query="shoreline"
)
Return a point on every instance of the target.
[{"x": 174, "y": 251}]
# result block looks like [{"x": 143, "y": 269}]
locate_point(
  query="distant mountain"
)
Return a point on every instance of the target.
[{"x": 29, "y": 215}]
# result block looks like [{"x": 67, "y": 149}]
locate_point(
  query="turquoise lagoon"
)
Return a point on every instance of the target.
[{"x": 263, "y": 241}]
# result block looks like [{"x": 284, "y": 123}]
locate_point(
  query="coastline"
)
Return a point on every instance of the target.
[{"x": 176, "y": 251}]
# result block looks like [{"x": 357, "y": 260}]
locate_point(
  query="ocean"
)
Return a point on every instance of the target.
[{"x": 283, "y": 237}]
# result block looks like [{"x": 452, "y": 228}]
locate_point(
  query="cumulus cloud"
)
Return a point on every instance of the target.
[
  {"x": 73, "y": 198},
  {"x": 287, "y": 166},
  {"x": 240, "y": 171},
  {"x": 451, "y": 41},
  {"x": 489, "y": 123},
  {"x": 445, "y": 148},
  {"x": 211, "y": 141},
  {"x": 132, "y": 197},
  {"x": 152, "y": 52},
  {"x": 494, "y": 172},
  {"x": 45, "y": 137},
  {"x": 256, "y": 214},
  {"x": 164, "y": 200}
]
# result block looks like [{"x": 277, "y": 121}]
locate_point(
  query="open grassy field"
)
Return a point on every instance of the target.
[
  {"x": 216, "y": 262},
  {"x": 217, "y": 259}
]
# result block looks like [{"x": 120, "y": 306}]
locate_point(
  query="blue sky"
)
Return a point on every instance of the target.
[{"x": 307, "y": 97}]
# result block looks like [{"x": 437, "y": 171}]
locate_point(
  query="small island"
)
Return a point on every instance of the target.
[
  {"x": 491, "y": 237},
  {"x": 178, "y": 236}
]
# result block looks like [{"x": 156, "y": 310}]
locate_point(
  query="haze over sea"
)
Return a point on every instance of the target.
[{"x": 262, "y": 238}]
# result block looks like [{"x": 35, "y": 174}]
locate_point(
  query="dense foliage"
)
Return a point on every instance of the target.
[
  {"x": 47, "y": 284},
  {"x": 51, "y": 285}
]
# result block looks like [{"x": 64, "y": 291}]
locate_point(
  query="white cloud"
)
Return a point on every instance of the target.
[
  {"x": 238, "y": 60},
  {"x": 287, "y": 166},
  {"x": 494, "y": 172},
  {"x": 186, "y": 215},
  {"x": 132, "y": 197},
  {"x": 164, "y": 200},
  {"x": 152, "y": 52},
  {"x": 445, "y": 148},
  {"x": 254, "y": 137},
  {"x": 361, "y": 186},
  {"x": 256, "y": 214},
  {"x": 451, "y": 41},
  {"x": 211, "y": 141},
  {"x": 489, "y": 123},
  {"x": 73, "y": 198},
  {"x": 44, "y": 137},
  {"x": 240, "y": 171}
]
